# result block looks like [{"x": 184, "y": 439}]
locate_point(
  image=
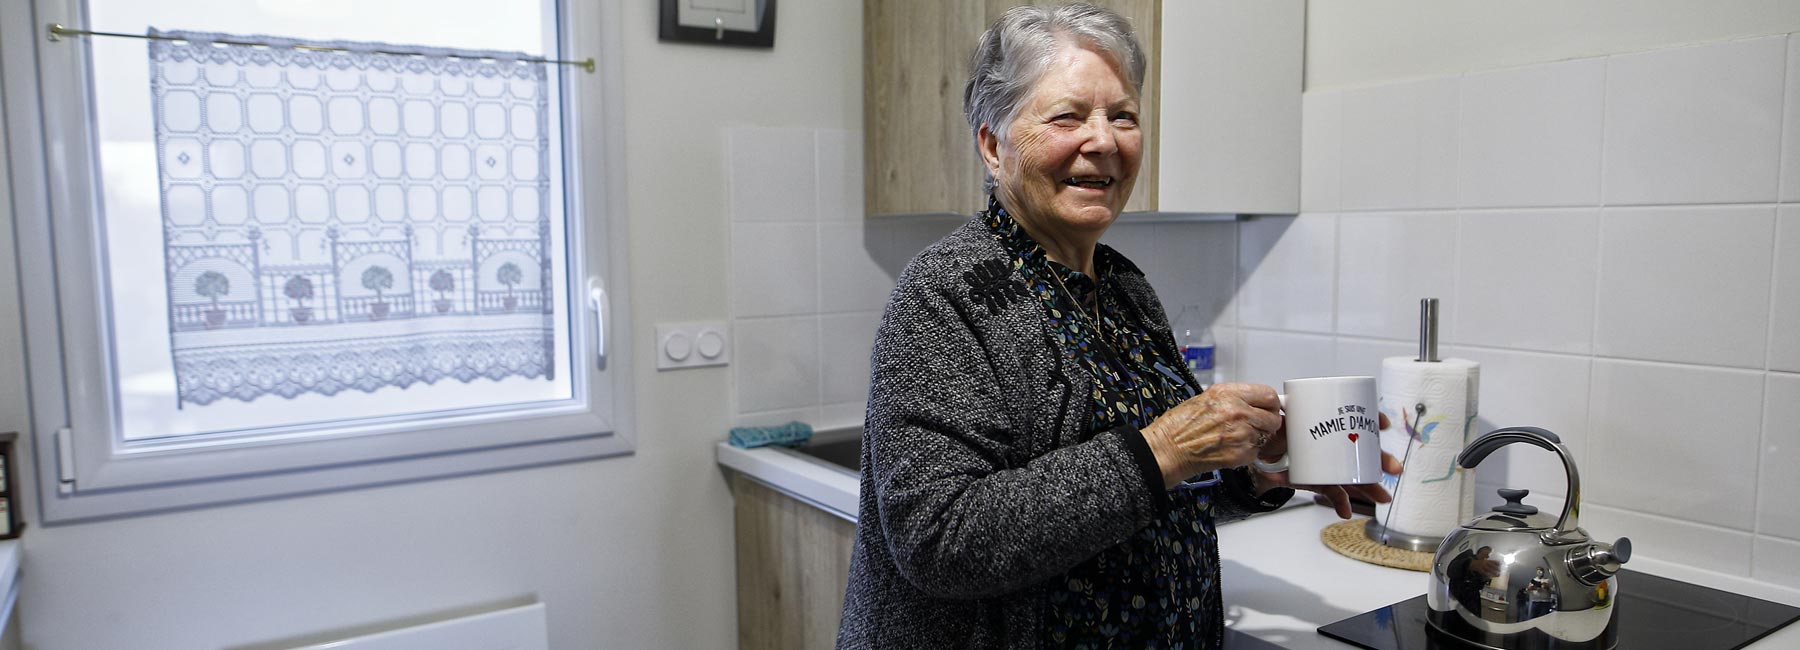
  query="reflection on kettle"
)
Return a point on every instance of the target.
[
  {"x": 1469, "y": 574},
  {"x": 1516, "y": 578}
]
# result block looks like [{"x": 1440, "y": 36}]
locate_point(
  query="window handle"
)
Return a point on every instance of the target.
[{"x": 597, "y": 302}]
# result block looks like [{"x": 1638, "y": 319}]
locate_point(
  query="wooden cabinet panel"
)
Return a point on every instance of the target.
[
  {"x": 919, "y": 155},
  {"x": 793, "y": 563}
]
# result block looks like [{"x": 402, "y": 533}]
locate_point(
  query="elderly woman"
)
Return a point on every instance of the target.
[{"x": 1039, "y": 469}]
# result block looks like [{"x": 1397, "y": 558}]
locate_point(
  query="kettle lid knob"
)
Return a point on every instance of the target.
[{"x": 1514, "y": 502}]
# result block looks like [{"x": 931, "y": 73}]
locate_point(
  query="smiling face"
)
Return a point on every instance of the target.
[{"x": 1072, "y": 153}]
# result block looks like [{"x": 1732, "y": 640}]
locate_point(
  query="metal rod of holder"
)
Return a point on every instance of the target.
[{"x": 1428, "y": 319}]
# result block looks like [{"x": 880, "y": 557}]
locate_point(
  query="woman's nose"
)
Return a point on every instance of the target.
[{"x": 1100, "y": 137}]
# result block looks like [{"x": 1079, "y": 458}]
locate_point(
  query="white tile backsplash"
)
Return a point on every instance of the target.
[
  {"x": 1438, "y": 144},
  {"x": 844, "y": 344},
  {"x": 809, "y": 415},
  {"x": 1286, "y": 267},
  {"x": 1697, "y": 124},
  {"x": 1548, "y": 391},
  {"x": 1272, "y": 357},
  {"x": 773, "y": 174},
  {"x": 1321, "y": 137},
  {"x": 1531, "y": 136},
  {"x": 1603, "y": 279},
  {"x": 1778, "y": 481},
  {"x": 1525, "y": 279},
  {"x": 839, "y": 154},
  {"x": 1358, "y": 357},
  {"x": 1657, "y": 426},
  {"x": 1671, "y": 539},
  {"x": 1685, "y": 284},
  {"x": 1386, "y": 263},
  {"x": 1398, "y": 146},
  {"x": 850, "y": 279},
  {"x": 1379, "y": 150},
  {"x": 776, "y": 363},
  {"x": 1784, "y": 328},
  {"x": 1790, "y": 130},
  {"x": 1194, "y": 264},
  {"x": 775, "y": 269},
  {"x": 1776, "y": 560}
]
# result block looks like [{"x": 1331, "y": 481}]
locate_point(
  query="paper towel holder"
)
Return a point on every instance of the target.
[
  {"x": 1376, "y": 530},
  {"x": 1396, "y": 539}
]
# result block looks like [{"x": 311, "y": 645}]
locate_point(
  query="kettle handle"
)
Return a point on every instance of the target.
[
  {"x": 1487, "y": 444},
  {"x": 1498, "y": 438}
]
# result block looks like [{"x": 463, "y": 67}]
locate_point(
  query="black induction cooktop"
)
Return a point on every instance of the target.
[{"x": 1654, "y": 614}]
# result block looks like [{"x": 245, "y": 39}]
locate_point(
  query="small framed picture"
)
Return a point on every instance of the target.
[
  {"x": 744, "y": 23},
  {"x": 10, "y": 526}
]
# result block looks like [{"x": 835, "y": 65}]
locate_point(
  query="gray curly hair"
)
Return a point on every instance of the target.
[{"x": 1014, "y": 52}]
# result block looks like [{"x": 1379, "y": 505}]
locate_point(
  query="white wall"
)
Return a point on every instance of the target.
[
  {"x": 1360, "y": 42},
  {"x": 629, "y": 552},
  {"x": 1615, "y": 239}
]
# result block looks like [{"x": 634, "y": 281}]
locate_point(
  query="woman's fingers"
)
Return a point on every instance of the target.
[
  {"x": 1213, "y": 430},
  {"x": 1257, "y": 395},
  {"x": 1383, "y": 419},
  {"x": 1373, "y": 492},
  {"x": 1390, "y": 464},
  {"x": 1340, "y": 500}
]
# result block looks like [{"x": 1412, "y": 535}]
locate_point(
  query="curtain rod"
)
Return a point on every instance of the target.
[{"x": 56, "y": 31}]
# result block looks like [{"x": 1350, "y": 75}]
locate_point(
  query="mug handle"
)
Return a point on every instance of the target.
[{"x": 1280, "y": 465}]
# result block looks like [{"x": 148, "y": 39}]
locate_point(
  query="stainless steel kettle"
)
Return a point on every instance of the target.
[{"x": 1517, "y": 578}]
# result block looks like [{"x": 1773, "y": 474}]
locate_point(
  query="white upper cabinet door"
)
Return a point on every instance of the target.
[{"x": 1230, "y": 117}]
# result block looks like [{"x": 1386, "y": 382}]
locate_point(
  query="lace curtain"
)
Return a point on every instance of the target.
[{"x": 351, "y": 220}]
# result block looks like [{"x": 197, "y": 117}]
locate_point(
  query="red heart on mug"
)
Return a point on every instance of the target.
[{"x": 1352, "y": 437}]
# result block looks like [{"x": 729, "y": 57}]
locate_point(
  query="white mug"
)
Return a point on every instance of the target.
[{"x": 1333, "y": 432}]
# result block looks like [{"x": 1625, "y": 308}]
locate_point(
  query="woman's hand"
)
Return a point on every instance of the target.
[
  {"x": 1339, "y": 495},
  {"x": 1216, "y": 429}
]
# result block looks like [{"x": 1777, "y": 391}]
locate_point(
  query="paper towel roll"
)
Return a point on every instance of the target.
[{"x": 1431, "y": 409}]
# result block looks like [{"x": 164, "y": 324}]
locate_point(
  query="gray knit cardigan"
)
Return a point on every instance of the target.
[{"x": 979, "y": 487}]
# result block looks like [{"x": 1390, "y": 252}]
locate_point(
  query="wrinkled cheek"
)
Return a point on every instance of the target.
[{"x": 1131, "y": 148}]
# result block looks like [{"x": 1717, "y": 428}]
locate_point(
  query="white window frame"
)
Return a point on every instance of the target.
[{"x": 84, "y": 468}]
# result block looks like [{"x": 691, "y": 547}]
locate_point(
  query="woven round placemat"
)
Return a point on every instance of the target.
[{"x": 1349, "y": 540}]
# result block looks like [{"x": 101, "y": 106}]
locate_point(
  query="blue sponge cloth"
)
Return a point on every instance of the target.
[{"x": 792, "y": 434}]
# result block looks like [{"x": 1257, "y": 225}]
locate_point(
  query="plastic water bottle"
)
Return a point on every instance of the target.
[{"x": 1195, "y": 339}]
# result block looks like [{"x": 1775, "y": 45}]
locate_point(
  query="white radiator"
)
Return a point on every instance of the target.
[{"x": 519, "y": 628}]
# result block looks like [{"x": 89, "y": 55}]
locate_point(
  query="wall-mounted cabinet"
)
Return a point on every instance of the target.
[{"x": 1221, "y": 99}]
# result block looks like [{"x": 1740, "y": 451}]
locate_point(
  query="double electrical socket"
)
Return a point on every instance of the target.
[{"x": 692, "y": 345}]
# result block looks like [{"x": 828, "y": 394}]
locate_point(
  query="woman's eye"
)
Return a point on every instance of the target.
[
  {"x": 1125, "y": 117},
  {"x": 1067, "y": 119}
]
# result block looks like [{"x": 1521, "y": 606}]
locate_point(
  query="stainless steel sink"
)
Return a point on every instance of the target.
[{"x": 839, "y": 448}]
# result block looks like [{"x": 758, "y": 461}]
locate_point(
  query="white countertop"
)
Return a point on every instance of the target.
[
  {"x": 1280, "y": 582},
  {"x": 829, "y": 487}
]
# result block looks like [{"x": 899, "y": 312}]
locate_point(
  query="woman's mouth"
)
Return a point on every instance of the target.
[{"x": 1089, "y": 182}]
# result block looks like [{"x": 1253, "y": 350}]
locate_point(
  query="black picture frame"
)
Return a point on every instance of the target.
[
  {"x": 672, "y": 31},
  {"x": 15, "y": 521}
]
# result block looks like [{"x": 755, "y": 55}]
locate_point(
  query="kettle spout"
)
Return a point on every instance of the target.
[{"x": 1594, "y": 563}]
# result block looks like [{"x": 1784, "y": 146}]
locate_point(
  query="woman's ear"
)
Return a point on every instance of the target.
[{"x": 990, "y": 149}]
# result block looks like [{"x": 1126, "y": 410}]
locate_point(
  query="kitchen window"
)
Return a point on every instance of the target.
[{"x": 297, "y": 245}]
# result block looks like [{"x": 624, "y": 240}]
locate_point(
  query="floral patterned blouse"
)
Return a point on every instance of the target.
[{"x": 1160, "y": 587}]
